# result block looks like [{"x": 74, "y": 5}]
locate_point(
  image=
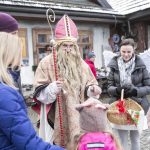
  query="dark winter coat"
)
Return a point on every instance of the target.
[
  {"x": 16, "y": 130},
  {"x": 140, "y": 79},
  {"x": 92, "y": 66}
]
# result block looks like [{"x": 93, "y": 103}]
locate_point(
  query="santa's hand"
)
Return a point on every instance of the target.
[
  {"x": 55, "y": 87},
  {"x": 94, "y": 91}
]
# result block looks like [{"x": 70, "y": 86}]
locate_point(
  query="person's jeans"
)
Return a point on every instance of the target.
[{"x": 134, "y": 138}]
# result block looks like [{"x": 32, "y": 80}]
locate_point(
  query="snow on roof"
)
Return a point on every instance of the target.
[
  {"x": 129, "y": 6},
  {"x": 56, "y": 5}
]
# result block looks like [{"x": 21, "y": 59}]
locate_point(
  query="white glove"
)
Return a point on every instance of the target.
[
  {"x": 55, "y": 87},
  {"x": 94, "y": 91},
  {"x": 49, "y": 94}
]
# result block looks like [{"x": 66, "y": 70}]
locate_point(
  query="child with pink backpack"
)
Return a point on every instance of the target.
[{"x": 95, "y": 134}]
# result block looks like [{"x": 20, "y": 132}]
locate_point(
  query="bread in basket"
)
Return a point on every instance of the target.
[
  {"x": 114, "y": 116},
  {"x": 124, "y": 117}
]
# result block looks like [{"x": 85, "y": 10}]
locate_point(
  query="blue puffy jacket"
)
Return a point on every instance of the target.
[{"x": 16, "y": 130}]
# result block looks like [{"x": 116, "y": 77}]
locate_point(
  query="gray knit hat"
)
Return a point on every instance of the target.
[
  {"x": 93, "y": 116},
  {"x": 8, "y": 23},
  {"x": 91, "y": 54}
]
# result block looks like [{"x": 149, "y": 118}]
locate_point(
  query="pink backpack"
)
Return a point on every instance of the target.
[{"x": 97, "y": 141}]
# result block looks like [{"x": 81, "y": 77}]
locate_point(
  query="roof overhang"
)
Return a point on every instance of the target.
[
  {"x": 26, "y": 12},
  {"x": 142, "y": 15}
]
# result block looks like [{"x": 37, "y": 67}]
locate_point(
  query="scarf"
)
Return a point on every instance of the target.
[{"x": 125, "y": 69}]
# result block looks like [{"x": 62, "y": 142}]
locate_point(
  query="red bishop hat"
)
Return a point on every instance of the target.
[{"x": 66, "y": 30}]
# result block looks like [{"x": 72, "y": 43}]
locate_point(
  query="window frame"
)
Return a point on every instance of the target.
[
  {"x": 36, "y": 44},
  {"x": 82, "y": 44},
  {"x": 22, "y": 33}
]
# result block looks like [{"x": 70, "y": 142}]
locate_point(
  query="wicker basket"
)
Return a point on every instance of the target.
[{"x": 115, "y": 117}]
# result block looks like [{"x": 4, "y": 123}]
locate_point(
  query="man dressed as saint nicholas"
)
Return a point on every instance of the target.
[{"x": 68, "y": 78}]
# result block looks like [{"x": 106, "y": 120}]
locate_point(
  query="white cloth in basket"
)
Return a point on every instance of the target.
[{"x": 142, "y": 124}]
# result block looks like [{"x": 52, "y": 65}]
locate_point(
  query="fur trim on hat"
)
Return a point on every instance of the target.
[{"x": 93, "y": 116}]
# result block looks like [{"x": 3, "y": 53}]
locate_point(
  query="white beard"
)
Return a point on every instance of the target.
[{"x": 70, "y": 69}]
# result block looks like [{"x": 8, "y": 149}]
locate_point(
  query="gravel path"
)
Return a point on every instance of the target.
[{"x": 145, "y": 140}]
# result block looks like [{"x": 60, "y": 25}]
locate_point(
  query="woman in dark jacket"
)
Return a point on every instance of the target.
[
  {"x": 16, "y": 130},
  {"x": 128, "y": 72}
]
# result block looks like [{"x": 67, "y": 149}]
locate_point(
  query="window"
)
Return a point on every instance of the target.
[
  {"x": 85, "y": 42},
  {"x": 23, "y": 36},
  {"x": 41, "y": 37}
]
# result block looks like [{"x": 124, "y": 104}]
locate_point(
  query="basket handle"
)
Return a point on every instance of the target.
[{"x": 122, "y": 94}]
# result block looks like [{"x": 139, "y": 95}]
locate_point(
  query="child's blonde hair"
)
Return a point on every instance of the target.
[{"x": 10, "y": 56}]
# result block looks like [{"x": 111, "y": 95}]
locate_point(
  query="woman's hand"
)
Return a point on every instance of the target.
[{"x": 129, "y": 90}]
